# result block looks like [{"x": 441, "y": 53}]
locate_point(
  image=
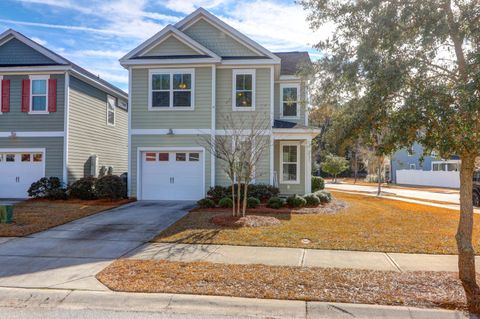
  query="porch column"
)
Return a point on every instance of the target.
[{"x": 308, "y": 165}]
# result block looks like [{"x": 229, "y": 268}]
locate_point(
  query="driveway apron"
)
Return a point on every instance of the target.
[{"x": 69, "y": 256}]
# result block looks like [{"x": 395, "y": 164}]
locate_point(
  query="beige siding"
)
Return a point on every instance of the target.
[
  {"x": 224, "y": 98},
  {"x": 171, "y": 46},
  {"x": 165, "y": 141},
  {"x": 53, "y": 146},
  {"x": 290, "y": 188},
  {"x": 216, "y": 40},
  {"x": 90, "y": 135},
  {"x": 200, "y": 117},
  {"x": 301, "y": 105}
]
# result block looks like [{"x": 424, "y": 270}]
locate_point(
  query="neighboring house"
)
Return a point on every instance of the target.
[
  {"x": 56, "y": 118},
  {"x": 414, "y": 159},
  {"x": 180, "y": 84}
]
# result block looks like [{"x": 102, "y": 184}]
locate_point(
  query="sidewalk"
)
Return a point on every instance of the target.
[
  {"x": 298, "y": 257},
  {"x": 208, "y": 306}
]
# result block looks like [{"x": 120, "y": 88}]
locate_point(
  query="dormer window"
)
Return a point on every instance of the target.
[
  {"x": 243, "y": 95},
  {"x": 289, "y": 101},
  {"x": 171, "y": 89}
]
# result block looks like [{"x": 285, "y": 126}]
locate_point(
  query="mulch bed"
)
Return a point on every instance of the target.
[
  {"x": 416, "y": 289},
  {"x": 247, "y": 221}
]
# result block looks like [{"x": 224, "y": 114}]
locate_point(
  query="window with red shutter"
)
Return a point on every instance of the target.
[
  {"x": 26, "y": 95},
  {"x": 52, "y": 95},
  {"x": 5, "y": 96}
]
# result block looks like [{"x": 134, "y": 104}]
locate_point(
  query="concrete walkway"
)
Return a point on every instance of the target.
[
  {"x": 64, "y": 301},
  {"x": 297, "y": 257},
  {"x": 69, "y": 256}
]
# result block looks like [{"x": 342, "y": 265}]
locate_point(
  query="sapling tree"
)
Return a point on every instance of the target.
[{"x": 334, "y": 165}]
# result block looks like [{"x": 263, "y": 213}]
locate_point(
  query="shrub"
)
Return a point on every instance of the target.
[
  {"x": 252, "y": 202},
  {"x": 110, "y": 187},
  {"x": 262, "y": 191},
  {"x": 296, "y": 201},
  {"x": 324, "y": 196},
  {"x": 225, "y": 202},
  {"x": 275, "y": 202},
  {"x": 206, "y": 203},
  {"x": 318, "y": 183},
  {"x": 312, "y": 200},
  {"x": 216, "y": 193},
  {"x": 84, "y": 188},
  {"x": 48, "y": 188}
]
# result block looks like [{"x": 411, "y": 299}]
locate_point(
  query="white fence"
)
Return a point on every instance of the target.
[{"x": 428, "y": 178}]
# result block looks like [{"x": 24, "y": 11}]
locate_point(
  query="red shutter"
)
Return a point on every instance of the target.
[
  {"x": 26, "y": 95},
  {"x": 5, "y": 96},
  {"x": 52, "y": 95}
]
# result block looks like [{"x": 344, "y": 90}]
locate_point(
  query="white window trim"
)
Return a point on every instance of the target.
[
  {"x": 114, "y": 110},
  {"x": 236, "y": 72},
  {"x": 290, "y": 85},
  {"x": 38, "y": 77},
  {"x": 458, "y": 162},
  {"x": 171, "y": 72},
  {"x": 297, "y": 144},
  {"x": 1, "y": 97}
]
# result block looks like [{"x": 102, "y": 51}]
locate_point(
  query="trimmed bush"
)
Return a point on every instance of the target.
[
  {"x": 225, "y": 202},
  {"x": 84, "y": 188},
  {"x": 206, "y": 203},
  {"x": 110, "y": 187},
  {"x": 296, "y": 201},
  {"x": 216, "y": 193},
  {"x": 252, "y": 202},
  {"x": 262, "y": 191},
  {"x": 324, "y": 196},
  {"x": 312, "y": 200},
  {"x": 318, "y": 183},
  {"x": 275, "y": 203},
  {"x": 48, "y": 188}
]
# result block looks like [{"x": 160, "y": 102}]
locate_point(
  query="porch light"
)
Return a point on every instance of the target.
[
  {"x": 182, "y": 86},
  {"x": 170, "y": 132}
]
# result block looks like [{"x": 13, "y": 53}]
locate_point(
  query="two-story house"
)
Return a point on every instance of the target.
[
  {"x": 185, "y": 81},
  {"x": 56, "y": 118}
]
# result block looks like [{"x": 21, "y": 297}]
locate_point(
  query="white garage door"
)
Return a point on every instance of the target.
[
  {"x": 18, "y": 170},
  {"x": 172, "y": 175}
]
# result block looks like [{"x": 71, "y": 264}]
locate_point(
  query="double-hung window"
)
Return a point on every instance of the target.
[
  {"x": 290, "y": 163},
  {"x": 111, "y": 106},
  {"x": 171, "y": 89},
  {"x": 289, "y": 96},
  {"x": 39, "y": 94},
  {"x": 243, "y": 93}
]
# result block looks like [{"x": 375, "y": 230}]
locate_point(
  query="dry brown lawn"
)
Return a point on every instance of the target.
[
  {"x": 418, "y": 289},
  {"x": 32, "y": 216},
  {"x": 368, "y": 224}
]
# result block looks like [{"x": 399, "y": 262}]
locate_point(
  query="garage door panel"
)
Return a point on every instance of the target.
[{"x": 172, "y": 175}]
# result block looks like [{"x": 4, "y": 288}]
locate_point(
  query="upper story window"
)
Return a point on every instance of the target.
[
  {"x": 243, "y": 95},
  {"x": 39, "y": 94},
  {"x": 111, "y": 106},
  {"x": 289, "y": 99},
  {"x": 171, "y": 89}
]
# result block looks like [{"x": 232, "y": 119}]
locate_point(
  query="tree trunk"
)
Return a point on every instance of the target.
[
  {"x": 355, "y": 168},
  {"x": 245, "y": 193},
  {"x": 466, "y": 253},
  {"x": 233, "y": 199},
  {"x": 379, "y": 179},
  {"x": 239, "y": 193},
  {"x": 334, "y": 178}
]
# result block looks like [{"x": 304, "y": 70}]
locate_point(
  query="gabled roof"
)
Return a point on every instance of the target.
[
  {"x": 58, "y": 59},
  {"x": 291, "y": 61},
  {"x": 202, "y": 13},
  {"x": 166, "y": 32}
]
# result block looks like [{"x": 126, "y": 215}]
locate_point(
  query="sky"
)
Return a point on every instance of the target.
[{"x": 96, "y": 33}]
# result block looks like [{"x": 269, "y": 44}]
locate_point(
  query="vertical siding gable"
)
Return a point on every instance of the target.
[
  {"x": 171, "y": 46},
  {"x": 216, "y": 40},
  {"x": 15, "y": 52},
  {"x": 18, "y": 121}
]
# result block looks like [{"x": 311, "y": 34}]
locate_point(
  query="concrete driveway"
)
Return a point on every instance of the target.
[{"x": 69, "y": 256}]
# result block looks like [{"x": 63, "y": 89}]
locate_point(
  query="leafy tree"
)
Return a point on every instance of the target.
[
  {"x": 420, "y": 61},
  {"x": 334, "y": 165}
]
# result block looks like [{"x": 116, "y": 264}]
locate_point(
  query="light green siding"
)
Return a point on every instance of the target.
[
  {"x": 90, "y": 135},
  {"x": 301, "y": 105},
  {"x": 53, "y": 146},
  {"x": 165, "y": 141},
  {"x": 216, "y": 40},
  {"x": 198, "y": 118},
  {"x": 18, "y": 121},
  {"x": 290, "y": 188},
  {"x": 171, "y": 46},
  {"x": 224, "y": 99}
]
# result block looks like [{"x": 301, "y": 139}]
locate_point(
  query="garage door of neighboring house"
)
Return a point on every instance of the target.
[
  {"x": 18, "y": 170},
  {"x": 172, "y": 175}
]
